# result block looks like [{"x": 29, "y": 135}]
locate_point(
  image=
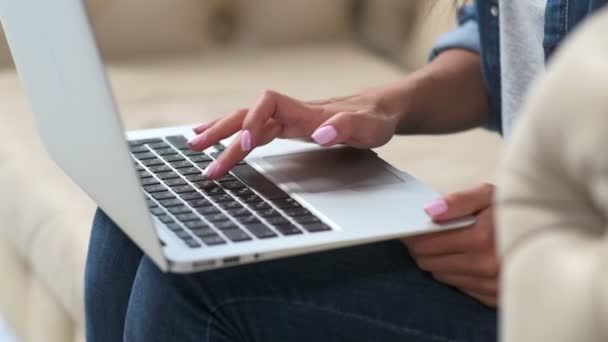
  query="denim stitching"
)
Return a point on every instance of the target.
[{"x": 407, "y": 330}]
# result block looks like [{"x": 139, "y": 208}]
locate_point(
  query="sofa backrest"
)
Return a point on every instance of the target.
[{"x": 400, "y": 30}]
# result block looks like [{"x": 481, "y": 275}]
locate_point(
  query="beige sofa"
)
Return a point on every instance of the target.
[
  {"x": 187, "y": 61},
  {"x": 553, "y": 201}
]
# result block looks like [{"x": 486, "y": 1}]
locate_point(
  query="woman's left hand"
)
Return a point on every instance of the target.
[{"x": 463, "y": 258}]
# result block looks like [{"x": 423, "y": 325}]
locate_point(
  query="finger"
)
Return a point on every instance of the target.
[
  {"x": 460, "y": 204},
  {"x": 234, "y": 152},
  {"x": 477, "y": 237},
  {"x": 359, "y": 130},
  {"x": 303, "y": 118},
  {"x": 222, "y": 129},
  {"x": 481, "y": 285},
  {"x": 482, "y": 265},
  {"x": 203, "y": 127}
]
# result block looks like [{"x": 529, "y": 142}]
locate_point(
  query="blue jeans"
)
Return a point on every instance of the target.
[{"x": 367, "y": 293}]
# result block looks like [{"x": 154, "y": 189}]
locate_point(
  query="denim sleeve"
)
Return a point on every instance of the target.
[{"x": 466, "y": 36}]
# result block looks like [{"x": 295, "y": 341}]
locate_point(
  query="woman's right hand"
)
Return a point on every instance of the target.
[{"x": 360, "y": 121}]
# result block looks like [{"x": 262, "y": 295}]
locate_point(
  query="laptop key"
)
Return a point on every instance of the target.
[
  {"x": 236, "y": 235},
  {"x": 196, "y": 224},
  {"x": 166, "y": 219},
  {"x": 196, "y": 178},
  {"x": 173, "y": 158},
  {"x": 251, "y": 199},
  {"x": 133, "y": 143},
  {"x": 200, "y": 158},
  {"x": 180, "y": 164},
  {"x": 214, "y": 191},
  {"x": 166, "y": 151},
  {"x": 139, "y": 149},
  {"x": 207, "y": 210},
  {"x": 230, "y": 205},
  {"x": 144, "y": 174},
  {"x": 182, "y": 234},
  {"x": 180, "y": 189},
  {"x": 189, "y": 171},
  {"x": 157, "y": 211},
  {"x": 233, "y": 185},
  {"x": 172, "y": 202},
  {"x": 189, "y": 196},
  {"x": 297, "y": 212},
  {"x": 179, "y": 210},
  {"x": 199, "y": 203},
  {"x": 213, "y": 240},
  {"x": 306, "y": 219},
  {"x": 155, "y": 188},
  {"x": 162, "y": 195},
  {"x": 221, "y": 198},
  {"x": 174, "y": 227},
  {"x": 149, "y": 181},
  {"x": 287, "y": 203},
  {"x": 249, "y": 219},
  {"x": 167, "y": 175},
  {"x": 151, "y": 203},
  {"x": 192, "y": 243},
  {"x": 227, "y": 178},
  {"x": 158, "y": 145},
  {"x": 216, "y": 217},
  {"x": 193, "y": 153},
  {"x": 288, "y": 229},
  {"x": 239, "y": 212},
  {"x": 205, "y": 184},
  {"x": 224, "y": 225},
  {"x": 260, "y": 230},
  {"x": 219, "y": 147},
  {"x": 277, "y": 220},
  {"x": 242, "y": 192},
  {"x": 175, "y": 182},
  {"x": 202, "y": 232},
  {"x": 316, "y": 227},
  {"x": 160, "y": 168},
  {"x": 259, "y": 206},
  {"x": 187, "y": 217},
  {"x": 178, "y": 141},
  {"x": 144, "y": 155},
  {"x": 268, "y": 213},
  {"x": 152, "y": 162}
]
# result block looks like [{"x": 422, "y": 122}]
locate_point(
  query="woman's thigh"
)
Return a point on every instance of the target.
[
  {"x": 111, "y": 266},
  {"x": 372, "y": 292}
]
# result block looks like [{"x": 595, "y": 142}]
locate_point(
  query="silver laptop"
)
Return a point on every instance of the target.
[{"x": 286, "y": 198}]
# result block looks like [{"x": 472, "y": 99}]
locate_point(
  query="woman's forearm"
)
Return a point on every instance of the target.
[{"x": 447, "y": 95}]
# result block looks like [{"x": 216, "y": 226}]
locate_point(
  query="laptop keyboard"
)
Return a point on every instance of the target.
[{"x": 242, "y": 206}]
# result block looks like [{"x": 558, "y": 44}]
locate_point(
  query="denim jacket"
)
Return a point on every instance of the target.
[{"x": 479, "y": 31}]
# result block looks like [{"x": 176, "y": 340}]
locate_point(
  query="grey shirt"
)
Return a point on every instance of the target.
[{"x": 521, "y": 53}]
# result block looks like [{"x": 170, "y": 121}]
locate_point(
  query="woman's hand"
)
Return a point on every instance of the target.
[
  {"x": 360, "y": 121},
  {"x": 463, "y": 258}
]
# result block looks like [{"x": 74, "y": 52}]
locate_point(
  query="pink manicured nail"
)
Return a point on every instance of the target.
[
  {"x": 246, "y": 141},
  {"x": 209, "y": 172},
  {"x": 325, "y": 135},
  {"x": 197, "y": 140},
  {"x": 436, "y": 208}
]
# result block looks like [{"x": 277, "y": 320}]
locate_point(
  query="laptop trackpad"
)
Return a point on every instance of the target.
[{"x": 329, "y": 170}]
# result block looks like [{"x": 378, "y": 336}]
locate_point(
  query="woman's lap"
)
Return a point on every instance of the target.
[{"x": 353, "y": 294}]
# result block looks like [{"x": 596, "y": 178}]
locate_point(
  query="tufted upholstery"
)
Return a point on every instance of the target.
[
  {"x": 553, "y": 201},
  {"x": 186, "y": 61}
]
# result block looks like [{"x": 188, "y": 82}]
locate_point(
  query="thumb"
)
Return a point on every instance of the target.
[
  {"x": 460, "y": 204},
  {"x": 336, "y": 130}
]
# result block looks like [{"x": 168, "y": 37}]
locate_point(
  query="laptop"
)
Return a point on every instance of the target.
[{"x": 284, "y": 199}]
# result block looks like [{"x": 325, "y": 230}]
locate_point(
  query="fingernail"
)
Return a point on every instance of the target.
[
  {"x": 436, "y": 207},
  {"x": 246, "y": 141},
  {"x": 324, "y": 135},
  {"x": 197, "y": 140},
  {"x": 211, "y": 169}
]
